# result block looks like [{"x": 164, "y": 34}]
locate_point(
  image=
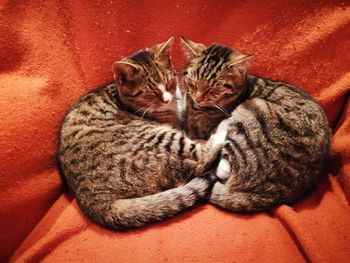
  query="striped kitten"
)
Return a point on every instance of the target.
[
  {"x": 126, "y": 171},
  {"x": 277, "y": 136}
]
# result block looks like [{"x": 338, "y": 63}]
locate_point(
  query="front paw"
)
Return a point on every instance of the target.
[
  {"x": 217, "y": 139},
  {"x": 223, "y": 171},
  {"x": 219, "y": 136}
]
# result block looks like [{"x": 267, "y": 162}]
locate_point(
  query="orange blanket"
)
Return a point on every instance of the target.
[{"x": 52, "y": 52}]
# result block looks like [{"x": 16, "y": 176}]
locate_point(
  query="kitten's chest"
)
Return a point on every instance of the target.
[
  {"x": 167, "y": 117},
  {"x": 200, "y": 124}
]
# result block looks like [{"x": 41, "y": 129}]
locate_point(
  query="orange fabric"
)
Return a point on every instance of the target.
[{"x": 52, "y": 52}]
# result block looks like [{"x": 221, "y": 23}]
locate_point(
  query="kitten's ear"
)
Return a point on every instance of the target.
[
  {"x": 124, "y": 71},
  {"x": 162, "y": 50},
  {"x": 240, "y": 61},
  {"x": 191, "y": 48}
]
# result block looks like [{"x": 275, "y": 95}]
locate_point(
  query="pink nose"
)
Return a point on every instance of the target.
[
  {"x": 167, "y": 97},
  {"x": 199, "y": 97},
  {"x": 166, "y": 100}
]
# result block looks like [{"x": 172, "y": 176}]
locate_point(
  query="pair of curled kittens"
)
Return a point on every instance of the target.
[{"x": 128, "y": 164}]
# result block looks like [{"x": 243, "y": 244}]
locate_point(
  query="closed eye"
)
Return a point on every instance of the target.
[
  {"x": 134, "y": 94},
  {"x": 229, "y": 86},
  {"x": 152, "y": 92},
  {"x": 191, "y": 86}
]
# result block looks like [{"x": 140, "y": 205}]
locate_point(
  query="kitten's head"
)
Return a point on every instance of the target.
[
  {"x": 146, "y": 80},
  {"x": 215, "y": 75}
]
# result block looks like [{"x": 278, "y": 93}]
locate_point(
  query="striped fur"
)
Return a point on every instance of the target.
[
  {"x": 277, "y": 138},
  {"x": 125, "y": 169}
]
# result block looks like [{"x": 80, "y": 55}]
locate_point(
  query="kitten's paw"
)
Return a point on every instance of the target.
[
  {"x": 219, "y": 137},
  {"x": 202, "y": 186},
  {"x": 223, "y": 171}
]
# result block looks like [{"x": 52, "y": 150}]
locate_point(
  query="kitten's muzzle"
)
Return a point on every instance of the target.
[{"x": 167, "y": 97}]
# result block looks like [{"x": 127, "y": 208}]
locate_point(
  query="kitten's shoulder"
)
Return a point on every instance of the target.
[
  {"x": 264, "y": 81},
  {"x": 257, "y": 84},
  {"x": 108, "y": 88}
]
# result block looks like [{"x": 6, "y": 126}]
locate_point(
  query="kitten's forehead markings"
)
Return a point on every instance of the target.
[{"x": 167, "y": 97}]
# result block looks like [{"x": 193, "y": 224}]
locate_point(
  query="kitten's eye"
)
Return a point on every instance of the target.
[
  {"x": 143, "y": 89},
  {"x": 134, "y": 93},
  {"x": 152, "y": 91},
  {"x": 192, "y": 87},
  {"x": 229, "y": 86}
]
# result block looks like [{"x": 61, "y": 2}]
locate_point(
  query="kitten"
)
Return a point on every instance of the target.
[
  {"x": 277, "y": 137},
  {"x": 126, "y": 171}
]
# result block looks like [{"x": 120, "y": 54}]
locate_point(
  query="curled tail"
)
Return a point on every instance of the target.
[
  {"x": 243, "y": 202},
  {"x": 137, "y": 212}
]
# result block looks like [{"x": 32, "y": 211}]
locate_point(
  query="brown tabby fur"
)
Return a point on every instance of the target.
[
  {"x": 277, "y": 138},
  {"x": 124, "y": 168}
]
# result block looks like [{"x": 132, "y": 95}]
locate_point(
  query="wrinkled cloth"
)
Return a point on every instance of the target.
[{"x": 52, "y": 52}]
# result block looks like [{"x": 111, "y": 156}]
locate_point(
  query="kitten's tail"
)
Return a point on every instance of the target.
[{"x": 137, "y": 212}]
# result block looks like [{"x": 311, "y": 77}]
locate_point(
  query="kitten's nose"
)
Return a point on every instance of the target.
[
  {"x": 199, "y": 97},
  {"x": 166, "y": 101},
  {"x": 167, "y": 97}
]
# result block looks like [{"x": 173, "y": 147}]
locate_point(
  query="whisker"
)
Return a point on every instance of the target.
[
  {"x": 144, "y": 113},
  {"x": 146, "y": 109},
  {"x": 216, "y": 106},
  {"x": 222, "y": 109},
  {"x": 140, "y": 109}
]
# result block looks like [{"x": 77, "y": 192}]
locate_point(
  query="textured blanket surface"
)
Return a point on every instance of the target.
[{"x": 52, "y": 52}]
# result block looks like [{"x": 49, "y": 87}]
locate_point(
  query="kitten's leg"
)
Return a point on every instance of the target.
[
  {"x": 219, "y": 136},
  {"x": 207, "y": 159},
  {"x": 224, "y": 168},
  {"x": 210, "y": 153},
  {"x": 235, "y": 201}
]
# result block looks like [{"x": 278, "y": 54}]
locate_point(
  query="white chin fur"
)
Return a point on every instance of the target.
[{"x": 223, "y": 171}]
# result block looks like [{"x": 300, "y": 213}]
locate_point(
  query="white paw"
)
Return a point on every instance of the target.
[
  {"x": 223, "y": 171},
  {"x": 219, "y": 136}
]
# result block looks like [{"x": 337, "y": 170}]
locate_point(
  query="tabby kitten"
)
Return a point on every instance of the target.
[
  {"x": 277, "y": 137},
  {"x": 126, "y": 171}
]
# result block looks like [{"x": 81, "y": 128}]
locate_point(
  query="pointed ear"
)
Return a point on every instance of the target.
[
  {"x": 191, "y": 48},
  {"x": 124, "y": 71},
  {"x": 162, "y": 50},
  {"x": 240, "y": 61}
]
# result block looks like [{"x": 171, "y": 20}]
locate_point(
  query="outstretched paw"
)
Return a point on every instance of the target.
[{"x": 204, "y": 186}]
